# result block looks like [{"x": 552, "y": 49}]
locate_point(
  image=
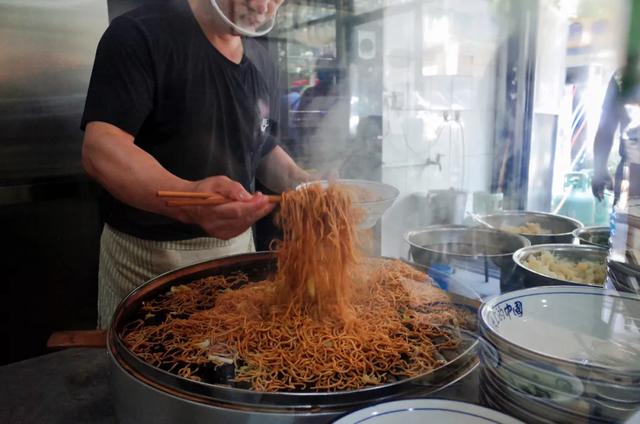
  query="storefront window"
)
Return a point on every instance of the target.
[{"x": 460, "y": 243}]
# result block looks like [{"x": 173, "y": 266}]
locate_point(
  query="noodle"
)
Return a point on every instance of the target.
[
  {"x": 318, "y": 252},
  {"x": 328, "y": 320}
]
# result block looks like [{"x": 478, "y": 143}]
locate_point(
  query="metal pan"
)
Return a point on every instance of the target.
[
  {"x": 474, "y": 255},
  {"x": 560, "y": 227},
  {"x": 593, "y": 236},
  {"x": 132, "y": 371},
  {"x": 571, "y": 252}
]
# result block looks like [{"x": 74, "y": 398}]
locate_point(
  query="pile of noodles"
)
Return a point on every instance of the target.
[{"x": 328, "y": 320}]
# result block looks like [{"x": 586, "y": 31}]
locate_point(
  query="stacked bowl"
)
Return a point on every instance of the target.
[{"x": 562, "y": 354}]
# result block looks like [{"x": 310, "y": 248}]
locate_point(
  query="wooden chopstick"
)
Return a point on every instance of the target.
[
  {"x": 186, "y": 194},
  {"x": 185, "y": 198}
]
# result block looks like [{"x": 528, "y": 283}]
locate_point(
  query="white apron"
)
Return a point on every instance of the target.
[{"x": 127, "y": 261}]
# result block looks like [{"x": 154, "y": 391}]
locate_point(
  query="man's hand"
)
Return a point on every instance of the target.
[
  {"x": 601, "y": 180},
  {"x": 133, "y": 176},
  {"x": 230, "y": 219}
]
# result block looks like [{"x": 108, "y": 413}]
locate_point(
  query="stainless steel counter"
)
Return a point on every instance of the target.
[
  {"x": 72, "y": 386},
  {"x": 69, "y": 386}
]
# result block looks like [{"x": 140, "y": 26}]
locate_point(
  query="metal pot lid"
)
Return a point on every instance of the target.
[{"x": 559, "y": 224}]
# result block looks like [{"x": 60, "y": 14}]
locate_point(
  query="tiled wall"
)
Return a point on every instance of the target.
[{"x": 454, "y": 70}]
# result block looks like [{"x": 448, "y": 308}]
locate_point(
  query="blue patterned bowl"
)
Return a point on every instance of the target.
[{"x": 589, "y": 332}]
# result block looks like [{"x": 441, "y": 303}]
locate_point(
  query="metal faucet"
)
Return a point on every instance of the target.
[{"x": 435, "y": 162}]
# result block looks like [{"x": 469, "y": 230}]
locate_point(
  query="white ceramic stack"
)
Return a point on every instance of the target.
[{"x": 562, "y": 354}]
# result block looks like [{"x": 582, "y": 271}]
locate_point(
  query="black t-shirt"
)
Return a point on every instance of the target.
[{"x": 157, "y": 77}]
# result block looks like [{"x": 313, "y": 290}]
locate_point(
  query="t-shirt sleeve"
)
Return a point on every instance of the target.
[
  {"x": 122, "y": 84},
  {"x": 611, "y": 103},
  {"x": 270, "y": 143}
]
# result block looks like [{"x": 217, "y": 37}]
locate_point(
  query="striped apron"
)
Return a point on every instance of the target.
[{"x": 127, "y": 261}]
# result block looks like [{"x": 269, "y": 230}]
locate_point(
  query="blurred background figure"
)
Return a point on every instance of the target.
[
  {"x": 323, "y": 95},
  {"x": 614, "y": 116}
]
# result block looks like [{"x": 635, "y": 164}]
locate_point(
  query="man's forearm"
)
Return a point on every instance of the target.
[
  {"x": 129, "y": 173},
  {"x": 278, "y": 172},
  {"x": 602, "y": 148}
]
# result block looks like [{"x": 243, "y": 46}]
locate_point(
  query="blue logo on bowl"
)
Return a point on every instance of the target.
[{"x": 505, "y": 311}]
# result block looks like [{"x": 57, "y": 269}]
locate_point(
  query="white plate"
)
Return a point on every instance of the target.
[
  {"x": 426, "y": 411},
  {"x": 587, "y": 327}
]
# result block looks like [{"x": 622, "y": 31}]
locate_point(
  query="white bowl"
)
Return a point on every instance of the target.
[
  {"x": 556, "y": 388},
  {"x": 548, "y": 376},
  {"x": 385, "y": 196},
  {"x": 614, "y": 393},
  {"x": 417, "y": 411},
  {"x": 498, "y": 403},
  {"x": 537, "y": 378},
  {"x": 540, "y": 408},
  {"x": 612, "y": 410},
  {"x": 584, "y": 330},
  {"x": 545, "y": 383}
]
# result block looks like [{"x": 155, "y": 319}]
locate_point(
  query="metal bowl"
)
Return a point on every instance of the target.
[
  {"x": 592, "y": 236},
  {"x": 441, "y": 244},
  {"x": 384, "y": 194},
  {"x": 473, "y": 254},
  {"x": 561, "y": 227},
  {"x": 147, "y": 394},
  {"x": 570, "y": 252},
  {"x": 623, "y": 276}
]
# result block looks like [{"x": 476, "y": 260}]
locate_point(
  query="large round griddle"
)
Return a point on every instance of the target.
[{"x": 258, "y": 266}]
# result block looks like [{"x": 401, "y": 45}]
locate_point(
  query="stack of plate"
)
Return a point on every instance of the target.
[{"x": 562, "y": 354}]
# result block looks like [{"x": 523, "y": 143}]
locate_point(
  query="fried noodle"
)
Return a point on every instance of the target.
[{"x": 328, "y": 320}]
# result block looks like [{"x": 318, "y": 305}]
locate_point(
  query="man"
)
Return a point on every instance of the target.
[
  {"x": 623, "y": 114},
  {"x": 179, "y": 101}
]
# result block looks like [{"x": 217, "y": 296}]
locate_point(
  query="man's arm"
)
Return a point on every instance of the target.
[
  {"x": 603, "y": 142},
  {"x": 133, "y": 176},
  {"x": 278, "y": 171}
]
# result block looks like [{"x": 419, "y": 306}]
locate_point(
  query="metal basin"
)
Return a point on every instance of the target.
[
  {"x": 624, "y": 276},
  {"x": 473, "y": 254},
  {"x": 147, "y": 394},
  {"x": 571, "y": 252},
  {"x": 561, "y": 227},
  {"x": 592, "y": 236}
]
